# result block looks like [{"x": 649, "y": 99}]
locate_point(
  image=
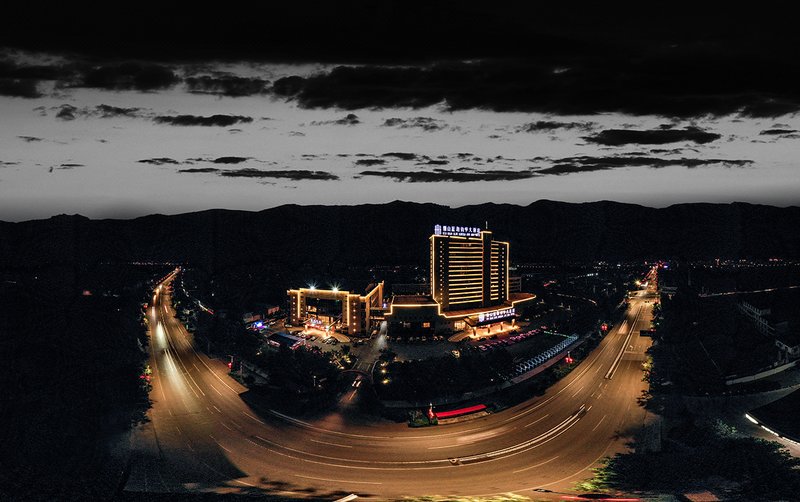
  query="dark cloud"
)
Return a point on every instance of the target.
[
  {"x": 401, "y": 155},
  {"x": 672, "y": 83},
  {"x": 777, "y": 132},
  {"x": 130, "y": 75},
  {"x": 551, "y": 125},
  {"x": 227, "y": 85},
  {"x": 19, "y": 88},
  {"x": 770, "y": 107},
  {"x": 616, "y": 137},
  {"x": 230, "y": 160},
  {"x": 4, "y": 163},
  {"x": 66, "y": 112},
  {"x": 78, "y": 72},
  {"x": 199, "y": 120},
  {"x": 220, "y": 160},
  {"x": 288, "y": 86},
  {"x": 560, "y": 35},
  {"x": 672, "y": 151},
  {"x": 69, "y": 166},
  {"x": 587, "y": 163},
  {"x": 424, "y": 123},
  {"x": 370, "y": 162},
  {"x": 199, "y": 170},
  {"x": 579, "y": 61},
  {"x": 349, "y": 119},
  {"x": 158, "y": 161},
  {"x": 458, "y": 175},
  {"x": 294, "y": 174},
  {"x": 70, "y": 112},
  {"x": 31, "y": 71},
  {"x": 30, "y": 139},
  {"x": 107, "y": 111},
  {"x": 435, "y": 162}
]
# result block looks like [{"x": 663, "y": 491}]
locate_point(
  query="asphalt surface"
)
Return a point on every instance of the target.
[{"x": 203, "y": 436}]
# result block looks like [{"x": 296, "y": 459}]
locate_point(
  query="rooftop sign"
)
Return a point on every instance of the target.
[{"x": 456, "y": 231}]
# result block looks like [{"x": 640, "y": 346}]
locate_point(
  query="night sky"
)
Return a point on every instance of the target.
[{"x": 166, "y": 110}]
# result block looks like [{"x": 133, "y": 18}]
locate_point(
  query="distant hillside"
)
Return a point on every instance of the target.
[{"x": 396, "y": 233}]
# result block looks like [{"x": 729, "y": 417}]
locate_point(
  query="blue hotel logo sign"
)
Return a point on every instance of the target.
[
  {"x": 456, "y": 231},
  {"x": 496, "y": 315}
]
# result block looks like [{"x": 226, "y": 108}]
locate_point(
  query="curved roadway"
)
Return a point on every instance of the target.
[{"x": 203, "y": 436}]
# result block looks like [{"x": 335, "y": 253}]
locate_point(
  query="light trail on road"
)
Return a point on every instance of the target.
[{"x": 203, "y": 436}]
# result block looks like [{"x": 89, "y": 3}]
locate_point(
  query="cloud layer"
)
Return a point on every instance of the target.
[
  {"x": 617, "y": 137},
  {"x": 249, "y": 172},
  {"x": 219, "y": 120}
]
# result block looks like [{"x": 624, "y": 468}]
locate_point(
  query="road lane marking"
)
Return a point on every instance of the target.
[
  {"x": 339, "y": 480},
  {"x": 537, "y": 420},
  {"x": 348, "y": 498},
  {"x": 226, "y": 426},
  {"x": 218, "y": 410},
  {"x": 537, "y": 465},
  {"x": 532, "y": 443},
  {"x": 219, "y": 444},
  {"x": 332, "y": 444},
  {"x": 615, "y": 364},
  {"x": 578, "y": 391},
  {"x": 450, "y": 446},
  {"x": 580, "y": 471},
  {"x": 427, "y": 463},
  {"x": 254, "y": 418},
  {"x": 600, "y": 422},
  {"x": 186, "y": 372}
]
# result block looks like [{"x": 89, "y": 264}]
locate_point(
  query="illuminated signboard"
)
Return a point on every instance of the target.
[
  {"x": 496, "y": 315},
  {"x": 456, "y": 231}
]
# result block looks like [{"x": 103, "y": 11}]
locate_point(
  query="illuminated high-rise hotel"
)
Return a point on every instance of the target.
[
  {"x": 469, "y": 287},
  {"x": 470, "y": 293},
  {"x": 468, "y": 268}
]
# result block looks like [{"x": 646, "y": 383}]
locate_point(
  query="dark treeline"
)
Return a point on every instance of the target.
[
  {"x": 70, "y": 379},
  {"x": 288, "y": 242},
  {"x": 397, "y": 232}
]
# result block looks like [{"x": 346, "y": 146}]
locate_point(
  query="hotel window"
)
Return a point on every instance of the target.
[
  {"x": 426, "y": 325},
  {"x": 406, "y": 325}
]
